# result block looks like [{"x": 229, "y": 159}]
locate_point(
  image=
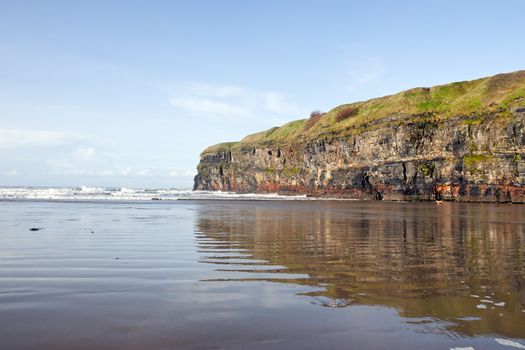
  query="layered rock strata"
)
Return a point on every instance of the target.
[{"x": 477, "y": 157}]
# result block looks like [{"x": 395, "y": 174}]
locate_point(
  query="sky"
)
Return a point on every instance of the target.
[{"x": 128, "y": 93}]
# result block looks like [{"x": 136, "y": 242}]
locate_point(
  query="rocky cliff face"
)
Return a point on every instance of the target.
[{"x": 419, "y": 156}]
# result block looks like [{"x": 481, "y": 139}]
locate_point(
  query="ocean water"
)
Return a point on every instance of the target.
[
  {"x": 230, "y": 274},
  {"x": 84, "y": 193}
]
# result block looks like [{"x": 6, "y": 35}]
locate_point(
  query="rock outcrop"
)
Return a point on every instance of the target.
[{"x": 463, "y": 141}]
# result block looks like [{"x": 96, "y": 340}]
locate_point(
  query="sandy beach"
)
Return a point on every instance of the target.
[{"x": 261, "y": 275}]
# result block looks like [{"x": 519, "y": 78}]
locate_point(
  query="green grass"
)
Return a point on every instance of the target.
[
  {"x": 472, "y": 99},
  {"x": 515, "y": 96},
  {"x": 277, "y": 135},
  {"x": 225, "y": 146},
  {"x": 473, "y": 120},
  {"x": 426, "y": 169},
  {"x": 472, "y": 160},
  {"x": 269, "y": 171},
  {"x": 291, "y": 171}
]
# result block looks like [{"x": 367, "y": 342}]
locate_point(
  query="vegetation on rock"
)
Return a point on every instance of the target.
[{"x": 500, "y": 93}]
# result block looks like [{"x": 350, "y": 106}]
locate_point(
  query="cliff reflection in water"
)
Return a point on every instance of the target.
[{"x": 453, "y": 262}]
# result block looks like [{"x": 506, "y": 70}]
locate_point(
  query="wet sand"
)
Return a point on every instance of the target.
[{"x": 261, "y": 275}]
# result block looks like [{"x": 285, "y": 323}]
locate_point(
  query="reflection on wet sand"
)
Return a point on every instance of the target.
[{"x": 459, "y": 263}]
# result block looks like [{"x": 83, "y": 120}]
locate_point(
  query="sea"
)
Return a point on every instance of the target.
[
  {"x": 116, "y": 268},
  {"x": 127, "y": 194}
]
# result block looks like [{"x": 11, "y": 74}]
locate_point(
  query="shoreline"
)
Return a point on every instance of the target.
[{"x": 307, "y": 199}]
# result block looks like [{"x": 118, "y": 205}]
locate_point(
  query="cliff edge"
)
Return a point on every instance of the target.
[{"x": 463, "y": 141}]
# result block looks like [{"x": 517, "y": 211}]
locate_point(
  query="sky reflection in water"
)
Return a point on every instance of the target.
[{"x": 261, "y": 275}]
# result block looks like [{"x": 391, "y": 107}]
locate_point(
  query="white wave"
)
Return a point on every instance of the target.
[
  {"x": 507, "y": 342},
  {"x": 87, "y": 189},
  {"x": 128, "y": 190},
  {"x": 129, "y": 194}
]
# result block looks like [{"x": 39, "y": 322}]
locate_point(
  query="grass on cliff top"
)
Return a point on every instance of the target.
[
  {"x": 288, "y": 131},
  {"x": 225, "y": 146},
  {"x": 291, "y": 130},
  {"x": 499, "y": 92}
]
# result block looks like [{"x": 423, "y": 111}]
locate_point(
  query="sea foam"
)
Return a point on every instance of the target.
[{"x": 128, "y": 194}]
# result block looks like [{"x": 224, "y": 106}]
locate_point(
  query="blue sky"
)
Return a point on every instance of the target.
[{"x": 128, "y": 93}]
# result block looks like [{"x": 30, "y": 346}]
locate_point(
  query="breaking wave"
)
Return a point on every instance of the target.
[{"x": 127, "y": 194}]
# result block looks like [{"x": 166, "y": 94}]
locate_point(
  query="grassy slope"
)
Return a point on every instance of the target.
[{"x": 471, "y": 98}]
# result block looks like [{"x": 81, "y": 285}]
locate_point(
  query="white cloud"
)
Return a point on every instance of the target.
[
  {"x": 125, "y": 172},
  {"x": 176, "y": 173},
  {"x": 85, "y": 153},
  {"x": 73, "y": 167},
  {"x": 12, "y": 172},
  {"x": 86, "y": 172},
  {"x": 229, "y": 102},
  {"x": 365, "y": 72},
  {"x": 14, "y": 138},
  {"x": 65, "y": 168},
  {"x": 208, "y": 107},
  {"x": 76, "y": 171},
  {"x": 144, "y": 172},
  {"x": 82, "y": 160},
  {"x": 277, "y": 103},
  {"x": 106, "y": 172},
  {"x": 221, "y": 91}
]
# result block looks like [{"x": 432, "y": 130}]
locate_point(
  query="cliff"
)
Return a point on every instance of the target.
[{"x": 463, "y": 141}]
